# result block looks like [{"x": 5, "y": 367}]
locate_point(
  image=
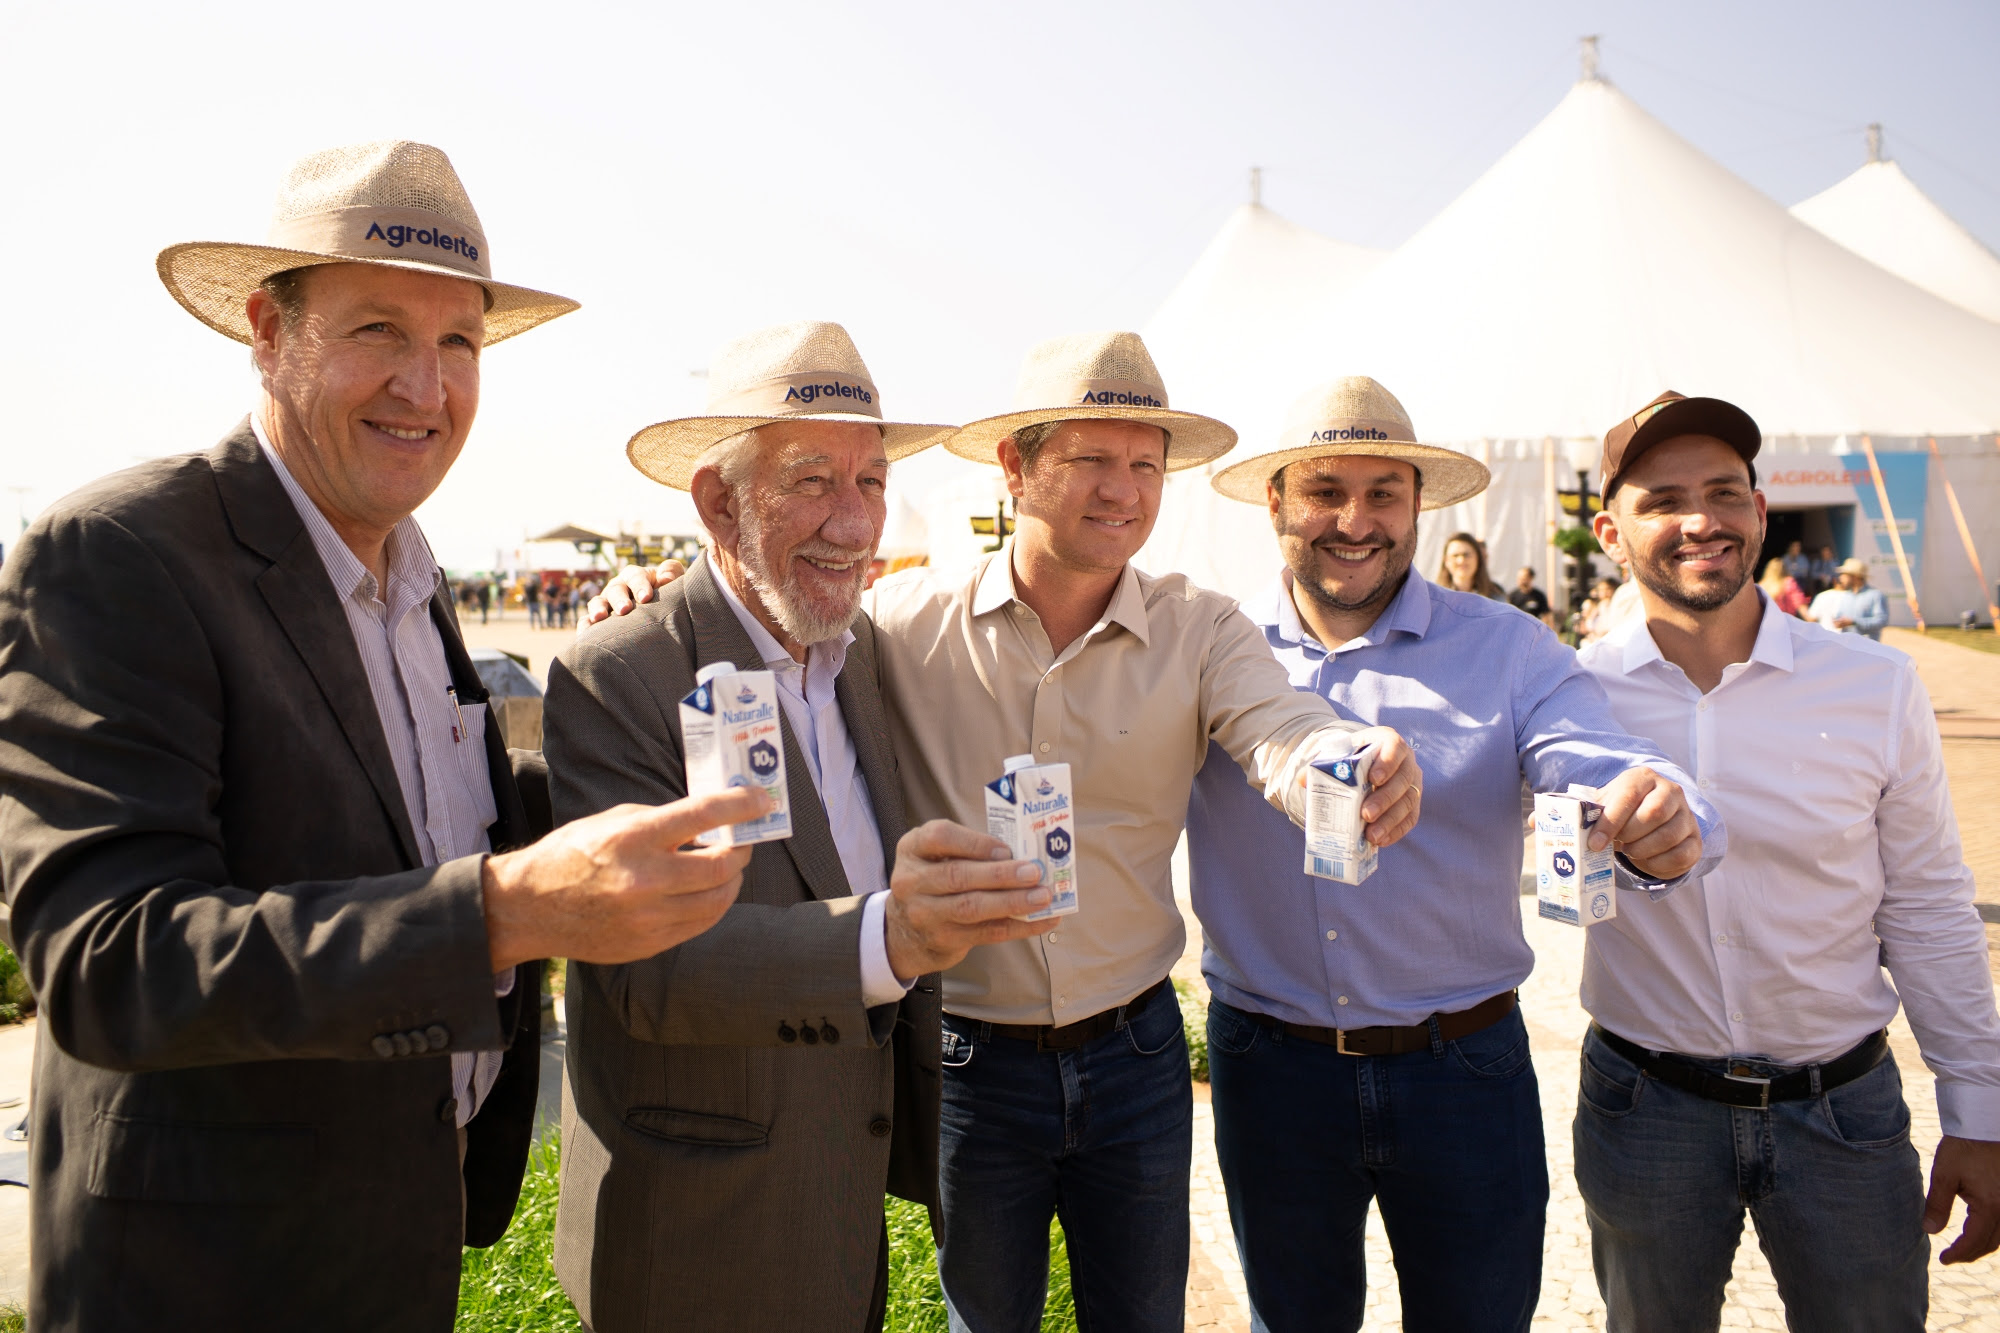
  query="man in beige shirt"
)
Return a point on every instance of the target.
[{"x": 1066, "y": 1085}]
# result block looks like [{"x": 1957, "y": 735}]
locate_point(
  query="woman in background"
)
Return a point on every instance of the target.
[
  {"x": 1464, "y": 567},
  {"x": 1783, "y": 588}
]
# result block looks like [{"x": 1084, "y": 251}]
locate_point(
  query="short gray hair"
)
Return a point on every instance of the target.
[{"x": 1030, "y": 439}]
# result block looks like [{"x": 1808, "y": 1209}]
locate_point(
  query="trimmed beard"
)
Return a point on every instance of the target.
[
  {"x": 1659, "y": 576},
  {"x": 781, "y": 594},
  {"x": 1395, "y": 568}
]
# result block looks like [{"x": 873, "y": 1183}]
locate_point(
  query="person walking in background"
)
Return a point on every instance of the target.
[
  {"x": 1462, "y": 568},
  {"x": 1782, "y": 588},
  {"x": 531, "y": 593},
  {"x": 485, "y": 594},
  {"x": 1798, "y": 565},
  {"x": 555, "y": 604},
  {"x": 1525, "y": 596},
  {"x": 1850, "y": 606},
  {"x": 1825, "y": 569},
  {"x": 1737, "y": 1062}
]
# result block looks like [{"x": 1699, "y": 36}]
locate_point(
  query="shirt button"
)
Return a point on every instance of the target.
[
  {"x": 1341, "y": 1000},
  {"x": 1333, "y": 934},
  {"x": 1043, "y": 747},
  {"x": 1053, "y": 937},
  {"x": 1722, "y": 939},
  {"x": 1736, "y": 1017},
  {"x": 1701, "y": 707},
  {"x": 1062, "y": 1001},
  {"x": 1706, "y": 784}
]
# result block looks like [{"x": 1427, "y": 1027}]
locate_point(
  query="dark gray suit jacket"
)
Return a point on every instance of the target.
[
  {"x": 217, "y": 897},
  {"x": 715, "y": 1175}
]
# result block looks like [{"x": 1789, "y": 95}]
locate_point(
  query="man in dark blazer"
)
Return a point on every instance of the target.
[
  {"x": 256, "y": 833},
  {"x": 736, "y": 1107}
]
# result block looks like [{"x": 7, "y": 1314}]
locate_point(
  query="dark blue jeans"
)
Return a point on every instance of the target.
[
  {"x": 1447, "y": 1141},
  {"x": 1832, "y": 1182},
  {"x": 1100, "y": 1137}
]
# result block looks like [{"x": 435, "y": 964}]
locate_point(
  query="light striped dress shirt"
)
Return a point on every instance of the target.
[{"x": 438, "y": 748}]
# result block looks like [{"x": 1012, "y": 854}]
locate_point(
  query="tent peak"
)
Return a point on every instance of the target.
[
  {"x": 1588, "y": 54},
  {"x": 1257, "y": 187},
  {"x": 1875, "y": 144}
]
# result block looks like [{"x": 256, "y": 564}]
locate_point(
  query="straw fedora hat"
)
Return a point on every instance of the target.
[
  {"x": 1355, "y": 416},
  {"x": 1095, "y": 377},
  {"x": 808, "y": 369},
  {"x": 393, "y": 203}
]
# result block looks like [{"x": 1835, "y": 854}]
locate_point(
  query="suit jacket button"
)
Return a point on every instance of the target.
[
  {"x": 448, "y": 1110},
  {"x": 879, "y": 1127},
  {"x": 402, "y": 1042},
  {"x": 808, "y": 1034},
  {"x": 785, "y": 1033},
  {"x": 436, "y": 1035},
  {"x": 828, "y": 1033},
  {"x": 419, "y": 1043},
  {"x": 383, "y": 1047}
]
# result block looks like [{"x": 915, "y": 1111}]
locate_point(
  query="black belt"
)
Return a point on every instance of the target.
[
  {"x": 1387, "y": 1040},
  {"x": 1048, "y": 1037},
  {"x": 1740, "y": 1087}
]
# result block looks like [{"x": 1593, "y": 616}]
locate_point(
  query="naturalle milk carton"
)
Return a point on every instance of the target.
[
  {"x": 1029, "y": 807},
  {"x": 730, "y": 732},
  {"x": 1337, "y": 845},
  {"x": 1572, "y": 883}
]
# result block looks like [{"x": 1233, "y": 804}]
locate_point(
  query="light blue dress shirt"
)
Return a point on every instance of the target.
[{"x": 1488, "y": 697}]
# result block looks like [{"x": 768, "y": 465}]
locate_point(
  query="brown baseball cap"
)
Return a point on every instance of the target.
[{"x": 1667, "y": 416}]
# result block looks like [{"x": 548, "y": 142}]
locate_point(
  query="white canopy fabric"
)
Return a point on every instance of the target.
[
  {"x": 1881, "y": 215},
  {"x": 1601, "y": 260}
]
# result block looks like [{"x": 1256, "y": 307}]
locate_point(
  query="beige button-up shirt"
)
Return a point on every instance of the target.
[{"x": 1132, "y": 707}]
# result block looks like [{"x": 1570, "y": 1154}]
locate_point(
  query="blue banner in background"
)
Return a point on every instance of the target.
[{"x": 1907, "y": 478}]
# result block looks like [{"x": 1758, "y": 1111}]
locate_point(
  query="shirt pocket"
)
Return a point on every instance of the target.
[{"x": 471, "y": 755}]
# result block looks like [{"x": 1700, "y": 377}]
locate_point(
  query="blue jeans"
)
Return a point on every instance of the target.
[
  {"x": 1832, "y": 1182},
  {"x": 1448, "y": 1141},
  {"x": 1100, "y": 1137}
]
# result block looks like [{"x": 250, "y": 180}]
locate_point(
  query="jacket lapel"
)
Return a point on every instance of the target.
[
  {"x": 302, "y": 599},
  {"x": 859, "y": 691},
  {"x": 720, "y": 637}
]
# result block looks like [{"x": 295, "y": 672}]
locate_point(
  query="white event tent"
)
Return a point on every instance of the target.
[
  {"x": 1881, "y": 215},
  {"x": 1602, "y": 260}
]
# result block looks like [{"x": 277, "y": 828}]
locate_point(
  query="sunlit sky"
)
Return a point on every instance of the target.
[{"x": 951, "y": 182}]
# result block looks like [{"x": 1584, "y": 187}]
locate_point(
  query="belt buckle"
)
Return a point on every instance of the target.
[
  {"x": 1763, "y": 1086},
  {"x": 1340, "y": 1042}
]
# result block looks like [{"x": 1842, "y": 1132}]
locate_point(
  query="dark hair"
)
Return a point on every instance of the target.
[{"x": 1030, "y": 439}]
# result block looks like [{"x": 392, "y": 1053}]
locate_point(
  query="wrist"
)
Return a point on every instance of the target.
[{"x": 498, "y": 877}]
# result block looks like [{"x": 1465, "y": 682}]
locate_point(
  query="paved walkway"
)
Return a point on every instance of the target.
[{"x": 1965, "y": 688}]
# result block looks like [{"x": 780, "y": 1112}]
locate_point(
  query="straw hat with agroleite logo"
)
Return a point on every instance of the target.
[
  {"x": 805, "y": 370},
  {"x": 1355, "y": 416},
  {"x": 394, "y": 203},
  {"x": 1095, "y": 377}
]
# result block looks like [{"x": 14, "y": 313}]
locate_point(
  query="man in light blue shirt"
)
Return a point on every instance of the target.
[
  {"x": 1850, "y": 606},
  {"x": 1364, "y": 1039}
]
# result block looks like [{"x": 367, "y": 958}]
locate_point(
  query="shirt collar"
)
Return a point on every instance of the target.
[
  {"x": 410, "y": 560},
  {"x": 1635, "y": 646},
  {"x": 1409, "y": 612},
  {"x": 995, "y": 589},
  {"x": 766, "y": 643}
]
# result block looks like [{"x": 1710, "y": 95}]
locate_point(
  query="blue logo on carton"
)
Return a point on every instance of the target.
[
  {"x": 1044, "y": 787},
  {"x": 763, "y": 760},
  {"x": 699, "y": 700},
  {"x": 1059, "y": 845},
  {"x": 1565, "y": 864},
  {"x": 746, "y": 696},
  {"x": 1004, "y": 787},
  {"x": 1599, "y": 906}
]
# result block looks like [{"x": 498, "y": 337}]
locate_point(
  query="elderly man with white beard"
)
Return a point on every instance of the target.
[{"x": 736, "y": 1110}]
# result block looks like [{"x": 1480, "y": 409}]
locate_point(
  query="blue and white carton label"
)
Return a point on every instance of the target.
[
  {"x": 1337, "y": 846},
  {"x": 1030, "y": 808},
  {"x": 731, "y": 737},
  {"x": 1572, "y": 883}
]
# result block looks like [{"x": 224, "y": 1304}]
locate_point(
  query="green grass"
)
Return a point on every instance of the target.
[
  {"x": 1985, "y": 640},
  {"x": 512, "y": 1287},
  {"x": 1194, "y": 1020},
  {"x": 16, "y": 1001},
  {"x": 13, "y": 1318}
]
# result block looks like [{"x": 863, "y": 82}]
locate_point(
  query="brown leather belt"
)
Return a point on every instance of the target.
[
  {"x": 1399, "y": 1041},
  {"x": 1048, "y": 1037}
]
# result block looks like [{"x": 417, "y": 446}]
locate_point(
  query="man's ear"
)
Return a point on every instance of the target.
[
  {"x": 1011, "y": 469},
  {"x": 716, "y": 504},
  {"x": 266, "y": 324},
  {"x": 1605, "y": 528}
]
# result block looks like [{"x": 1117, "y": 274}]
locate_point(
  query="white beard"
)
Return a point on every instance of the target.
[{"x": 781, "y": 595}]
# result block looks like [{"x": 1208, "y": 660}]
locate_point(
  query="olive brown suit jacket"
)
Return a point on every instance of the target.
[
  {"x": 732, "y": 1115},
  {"x": 248, "y": 980}
]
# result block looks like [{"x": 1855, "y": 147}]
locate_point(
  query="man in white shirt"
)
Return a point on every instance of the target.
[{"x": 1738, "y": 1059}]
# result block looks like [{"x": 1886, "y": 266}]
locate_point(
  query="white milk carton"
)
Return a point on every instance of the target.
[
  {"x": 1029, "y": 808},
  {"x": 731, "y": 735},
  {"x": 1573, "y": 883},
  {"x": 1337, "y": 845}
]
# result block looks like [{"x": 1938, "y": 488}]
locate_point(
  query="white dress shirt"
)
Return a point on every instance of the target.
[
  {"x": 1823, "y": 754},
  {"x": 807, "y": 696},
  {"x": 438, "y": 748}
]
